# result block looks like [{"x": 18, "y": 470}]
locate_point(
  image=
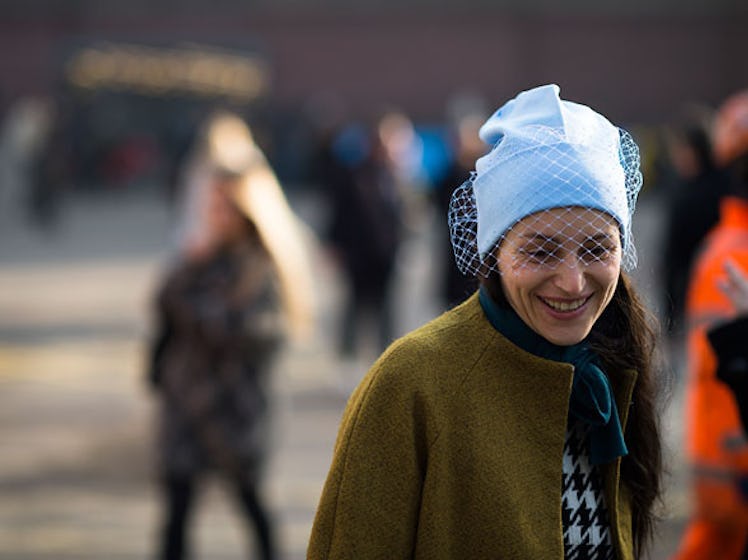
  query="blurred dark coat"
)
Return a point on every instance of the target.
[
  {"x": 368, "y": 229},
  {"x": 220, "y": 327},
  {"x": 693, "y": 211},
  {"x": 366, "y": 218},
  {"x": 728, "y": 340}
]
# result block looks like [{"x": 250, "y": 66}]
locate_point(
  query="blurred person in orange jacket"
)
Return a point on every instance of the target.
[
  {"x": 716, "y": 445},
  {"x": 239, "y": 285}
]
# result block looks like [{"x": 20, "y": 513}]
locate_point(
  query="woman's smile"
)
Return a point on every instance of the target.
[{"x": 564, "y": 306}]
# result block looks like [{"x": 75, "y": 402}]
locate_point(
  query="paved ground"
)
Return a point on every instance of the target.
[{"x": 75, "y": 416}]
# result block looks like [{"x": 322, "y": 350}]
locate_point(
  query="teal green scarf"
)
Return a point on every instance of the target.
[{"x": 591, "y": 399}]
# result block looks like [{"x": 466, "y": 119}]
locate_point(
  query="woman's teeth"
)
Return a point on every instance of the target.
[{"x": 565, "y": 305}]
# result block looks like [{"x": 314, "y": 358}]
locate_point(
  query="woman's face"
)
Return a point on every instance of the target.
[
  {"x": 559, "y": 270},
  {"x": 226, "y": 222}
]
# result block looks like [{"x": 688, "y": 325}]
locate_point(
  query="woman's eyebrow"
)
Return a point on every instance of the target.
[
  {"x": 601, "y": 237},
  {"x": 540, "y": 237},
  {"x": 543, "y": 237}
]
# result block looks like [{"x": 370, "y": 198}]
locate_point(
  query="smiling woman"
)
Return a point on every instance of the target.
[{"x": 505, "y": 427}]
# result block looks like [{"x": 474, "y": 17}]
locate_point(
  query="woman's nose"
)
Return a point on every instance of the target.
[{"x": 570, "y": 278}]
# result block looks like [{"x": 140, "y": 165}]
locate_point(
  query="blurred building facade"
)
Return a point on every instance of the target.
[{"x": 632, "y": 58}]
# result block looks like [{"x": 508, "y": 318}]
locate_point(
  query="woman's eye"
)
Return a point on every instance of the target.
[
  {"x": 596, "y": 252},
  {"x": 540, "y": 254}
]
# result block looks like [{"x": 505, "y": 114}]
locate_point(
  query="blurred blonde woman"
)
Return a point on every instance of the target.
[{"x": 239, "y": 285}]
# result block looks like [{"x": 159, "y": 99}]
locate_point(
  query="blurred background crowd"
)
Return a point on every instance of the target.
[{"x": 367, "y": 114}]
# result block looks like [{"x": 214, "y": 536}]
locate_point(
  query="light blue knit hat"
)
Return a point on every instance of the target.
[{"x": 545, "y": 153}]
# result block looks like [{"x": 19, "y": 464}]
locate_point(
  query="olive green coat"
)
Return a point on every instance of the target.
[{"x": 451, "y": 448}]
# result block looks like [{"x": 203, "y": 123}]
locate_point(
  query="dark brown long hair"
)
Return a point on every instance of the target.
[{"x": 625, "y": 337}]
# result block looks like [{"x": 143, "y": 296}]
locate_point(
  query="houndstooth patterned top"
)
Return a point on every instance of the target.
[{"x": 584, "y": 513}]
